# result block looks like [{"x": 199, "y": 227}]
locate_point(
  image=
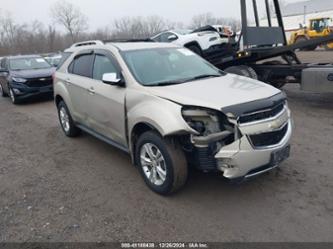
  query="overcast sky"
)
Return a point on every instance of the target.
[{"x": 102, "y": 12}]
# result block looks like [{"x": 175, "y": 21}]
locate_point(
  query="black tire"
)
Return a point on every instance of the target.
[
  {"x": 2, "y": 93},
  {"x": 243, "y": 71},
  {"x": 175, "y": 163},
  {"x": 327, "y": 48},
  {"x": 266, "y": 77},
  {"x": 71, "y": 130},
  {"x": 251, "y": 71},
  {"x": 304, "y": 39},
  {"x": 13, "y": 97},
  {"x": 195, "y": 49}
]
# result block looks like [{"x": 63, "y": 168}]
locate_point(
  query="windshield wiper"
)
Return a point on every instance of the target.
[
  {"x": 176, "y": 82},
  {"x": 204, "y": 76},
  {"x": 168, "y": 83}
]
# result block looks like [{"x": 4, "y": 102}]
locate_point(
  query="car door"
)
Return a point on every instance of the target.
[
  {"x": 106, "y": 110},
  {"x": 78, "y": 83}
]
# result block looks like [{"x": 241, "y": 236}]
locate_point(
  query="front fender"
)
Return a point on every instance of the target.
[{"x": 164, "y": 115}]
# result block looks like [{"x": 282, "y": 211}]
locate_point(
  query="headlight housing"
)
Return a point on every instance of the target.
[
  {"x": 19, "y": 80},
  {"x": 202, "y": 120}
]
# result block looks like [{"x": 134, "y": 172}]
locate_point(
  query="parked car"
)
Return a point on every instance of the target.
[
  {"x": 53, "y": 60},
  {"x": 226, "y": 33},
  {"x": 170, "y": 110},
  {"x": 199, "y": 42},
  {"x": 25, "y": 76}
]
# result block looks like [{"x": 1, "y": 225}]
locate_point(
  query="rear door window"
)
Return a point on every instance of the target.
[{"x": 83, "y": 65}]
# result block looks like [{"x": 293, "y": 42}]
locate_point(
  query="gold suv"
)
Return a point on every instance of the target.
[{"x": 171, "y": 110}]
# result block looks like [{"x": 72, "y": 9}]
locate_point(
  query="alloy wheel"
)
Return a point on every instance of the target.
[
  {"x": 12, "y": 95},
  {"x": 64, "y": 119},
  {"x": 153, "y": 164}
]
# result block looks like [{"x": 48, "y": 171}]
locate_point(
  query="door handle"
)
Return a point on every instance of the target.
[
  {"x": 91, "y": 90},
  {"x": 330, "y": 77},
  {"x": 68, "y": 81}
]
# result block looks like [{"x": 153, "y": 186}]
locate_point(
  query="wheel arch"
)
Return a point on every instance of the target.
[
  {"x": 193, "y": 43},
  {"x": 136, "y": 132},
  {"x": 61, "y": 94}
]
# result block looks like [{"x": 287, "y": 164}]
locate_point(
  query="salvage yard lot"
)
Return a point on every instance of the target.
[{"x": 57, "y": 189}]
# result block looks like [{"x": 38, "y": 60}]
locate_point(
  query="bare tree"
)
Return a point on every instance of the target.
[
  {"x": 209, "y": 19},
  {"x": 70, "y": 17},
  {"x": 139, "y": 27},
  {"x": 51, "y": 36}
]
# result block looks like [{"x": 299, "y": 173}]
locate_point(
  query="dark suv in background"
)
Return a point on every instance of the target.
[{"x": 22, "y": 77}]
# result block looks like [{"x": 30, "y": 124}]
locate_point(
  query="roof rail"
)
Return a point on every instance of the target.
[
  {"x": 129, "y": 40},
  {"x": 87, "y": 43}
]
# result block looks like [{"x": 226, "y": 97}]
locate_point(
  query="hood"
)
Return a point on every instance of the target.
[
  {"x": 216, "y": 93},
  {"x": 33, "y": 73}
]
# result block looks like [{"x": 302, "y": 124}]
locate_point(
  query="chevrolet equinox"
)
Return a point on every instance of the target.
[{"x": 171, "y": 110}]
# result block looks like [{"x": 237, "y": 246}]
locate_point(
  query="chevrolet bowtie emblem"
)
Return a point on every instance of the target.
[{"x": 275, "y": 124}]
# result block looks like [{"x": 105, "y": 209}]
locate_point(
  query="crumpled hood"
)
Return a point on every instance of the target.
[
  {"x": 216, "y": 93},
  {"x": 35, "y": 73}
]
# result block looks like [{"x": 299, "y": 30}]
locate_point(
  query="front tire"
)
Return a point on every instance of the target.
[
  {"x": 161, "y": 162},
  {"x": 13, "y": 97},
  {"x": 66, "y": 121}
]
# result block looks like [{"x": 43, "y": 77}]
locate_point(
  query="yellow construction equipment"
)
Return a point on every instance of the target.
[{"x": 318, "y": 27}]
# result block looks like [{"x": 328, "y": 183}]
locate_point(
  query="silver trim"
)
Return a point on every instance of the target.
[
  {"x": 273, "y": 145},
  {"x": 261, "y": 172},
  {"x": 265, "y": 120}
]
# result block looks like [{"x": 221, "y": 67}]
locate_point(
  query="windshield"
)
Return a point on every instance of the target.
[
  {"x": 28, "y": 63},
  {"x": 167, "y": 66},
  {"x": 182, "y": 31},
  {"x": 327, "y": 22}
]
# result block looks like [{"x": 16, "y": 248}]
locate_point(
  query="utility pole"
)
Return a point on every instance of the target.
[{"x": 304, "y": 21}]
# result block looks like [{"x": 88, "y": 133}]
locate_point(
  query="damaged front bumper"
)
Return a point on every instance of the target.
[
  {"x": 259, "y": 147},
  {"x": 242, "y": 159}
]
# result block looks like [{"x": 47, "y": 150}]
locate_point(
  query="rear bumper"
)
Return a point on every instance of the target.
[{"x": 22, "y": 91}]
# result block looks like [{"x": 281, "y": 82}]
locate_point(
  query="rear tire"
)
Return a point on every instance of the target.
[
  {"x": 161, "y": 163},
  {"x": 2, "y": 93},
  {"x": 278, "y": 83},
  {"x": 243, "y": 71},
  {"x": 66, "y": 121},
  {"x": 304, "y": 39},
  {"x": 195, "y": 49},
  {"x": 329, "y": 47}
]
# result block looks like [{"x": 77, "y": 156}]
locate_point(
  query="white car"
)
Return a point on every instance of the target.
[{"x": 199, "y": 42}]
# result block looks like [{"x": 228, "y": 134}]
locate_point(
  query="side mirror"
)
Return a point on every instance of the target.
[
  {"x": 172, "y": 38},
  {"x": 112, "y": 79}
]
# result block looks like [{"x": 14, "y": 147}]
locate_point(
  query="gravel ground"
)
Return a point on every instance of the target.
[{"x": 53, "y": 188}]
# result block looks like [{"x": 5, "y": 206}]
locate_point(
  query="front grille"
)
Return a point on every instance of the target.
[
  {"x": 269, "y": 138},
  {"x": 204, "y": 159},
  {"x": 259, "y": 115},
  {"x": 39, "y": 82}
]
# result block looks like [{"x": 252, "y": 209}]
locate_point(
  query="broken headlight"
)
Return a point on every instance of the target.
[{"x": 204, "y": 121}]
